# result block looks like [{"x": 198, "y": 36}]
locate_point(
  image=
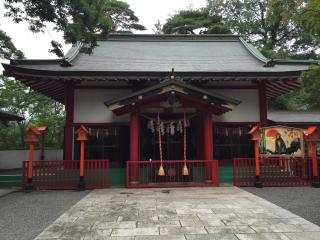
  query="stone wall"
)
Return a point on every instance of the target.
[{"x": 12, "y": 159}]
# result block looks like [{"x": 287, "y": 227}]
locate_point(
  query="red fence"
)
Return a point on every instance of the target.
[
  {"x": 274, "y": 172},
  {"x": 144, "y": 174},
  {"x": 64, "y": 174}
]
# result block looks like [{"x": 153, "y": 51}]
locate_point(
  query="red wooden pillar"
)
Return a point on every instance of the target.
[
  {"x": 312, "y": 137},
  {"x": 263, "y": 105},
  {"x": 31, "y": 138},
  {"x": 257, "y": 160},
  {"x": 30, "y": 166},
  {"x": 199, "y": 137},
  {"x": 208, "y": 138},
  {"x": 82, "y": 136},
  {"x": 134, "y": 146},
  {"x": 81, "y": 185},
  {"x": 68, "y": 134},
  {"x": 315, "y": 172},
  {"x": 42, "y": 145},
  {"x": 255, "y": 133},
  {"x": 208, "y": 143}
]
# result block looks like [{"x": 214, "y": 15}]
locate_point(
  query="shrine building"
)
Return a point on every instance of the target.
[{"x": 213, "y": 87}]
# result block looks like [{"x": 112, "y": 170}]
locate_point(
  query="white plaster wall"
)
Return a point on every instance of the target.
[
  {"x": 11, "y": 159},
  {"x": 246, "y": 111},
  {"x": 89, "y": 106}
]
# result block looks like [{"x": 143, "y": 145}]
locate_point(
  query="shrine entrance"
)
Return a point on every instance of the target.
[
  {"x": 172, "y": 139},
  {"x": 171, "y": 135}
]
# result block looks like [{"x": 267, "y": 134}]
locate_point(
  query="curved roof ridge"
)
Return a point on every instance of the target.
[
  {"x": 73, "y": 52},
  {"x": 171, "y": 37},
  {"x": 255, "y": 52},
  {"x": 296, "y": 61}
]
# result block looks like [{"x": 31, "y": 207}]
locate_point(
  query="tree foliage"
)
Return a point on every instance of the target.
[
  {"x": 272, "y": 25},
  {"x": 311, "y": 87},
  {"x": 7, "y": 48},
  {"x": 78, "y": 20},
  {"x": 35, "y": 108},
  {"x": 309, "y": 18},
  {"x": 189, "y": 21}
]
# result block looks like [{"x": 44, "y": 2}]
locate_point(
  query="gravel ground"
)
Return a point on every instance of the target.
[
  {"x": 303, "y": 201},
  {"x": 23, "y": 215}
]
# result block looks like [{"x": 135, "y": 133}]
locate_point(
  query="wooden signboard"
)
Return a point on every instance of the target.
[{"x": 282, "y": 141}]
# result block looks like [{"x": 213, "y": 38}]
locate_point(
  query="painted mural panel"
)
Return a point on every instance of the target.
[{"x": 281, "y": 140}]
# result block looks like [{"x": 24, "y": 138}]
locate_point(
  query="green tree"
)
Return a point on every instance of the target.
[
  {"x": 158, "y": 28},
  {"x": 7, "y": 48},
  {"x": 189, "y": 21},
  {"x": 269, "y": 24},
  {"x": 311, "y": 87},
  {"x": 309, "y": 18},
  {"x": 35, "y": 108},
  {"x": 78, "y": 20}
]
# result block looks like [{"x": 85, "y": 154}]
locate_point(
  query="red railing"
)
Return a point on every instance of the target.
[
  {"x": 274, "y": 172},
  {"x": 144, "y": 174},
  {"x": 64, "y": 174}
]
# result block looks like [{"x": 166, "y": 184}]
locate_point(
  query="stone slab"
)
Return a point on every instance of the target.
[{"x": 226, "y": 213}]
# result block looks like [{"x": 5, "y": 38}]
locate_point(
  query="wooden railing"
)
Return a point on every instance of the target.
[
  {"x": 144, "y": 174},
  {"x": 274, "y": 172},
  {"x": 64, "y": 174}
]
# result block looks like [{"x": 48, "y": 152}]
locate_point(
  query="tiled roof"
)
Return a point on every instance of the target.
[
  {"x": 161, "y": 53},
  {"x": 294, "y": 116}
]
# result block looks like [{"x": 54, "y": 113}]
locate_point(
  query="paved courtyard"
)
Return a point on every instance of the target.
[{"x": 187, "y": 213}]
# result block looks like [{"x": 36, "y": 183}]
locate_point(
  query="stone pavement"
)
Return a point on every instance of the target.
[
  {"x": 226, "y": 213},
  {"x": 5, "y": 191}
]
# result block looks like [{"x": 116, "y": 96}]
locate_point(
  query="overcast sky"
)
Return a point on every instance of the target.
[{"x": 35, "y": 46}]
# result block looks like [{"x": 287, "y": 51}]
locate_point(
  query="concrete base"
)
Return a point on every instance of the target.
[
  {"x": 82, "y": 184},
  {"x": 258, "y": 183}
]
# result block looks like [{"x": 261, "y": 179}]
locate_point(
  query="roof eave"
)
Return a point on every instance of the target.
[{"x": 13, "y": 68}]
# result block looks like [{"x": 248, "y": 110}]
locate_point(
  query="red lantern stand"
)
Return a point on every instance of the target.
[
  {"x": 82, "y": 136},
  {"x": 42, "y": 129},
  {"x": 255, "y": 133},
  {"x": 312, "y": 137},
  {"x": 31, "y": 138}
]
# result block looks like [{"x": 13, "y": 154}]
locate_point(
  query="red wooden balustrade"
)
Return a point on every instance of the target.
[
  {"x": 275, "y": 172},
  {"x": 64, "y": 174},
  {"x": 201, "y": 173}
]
